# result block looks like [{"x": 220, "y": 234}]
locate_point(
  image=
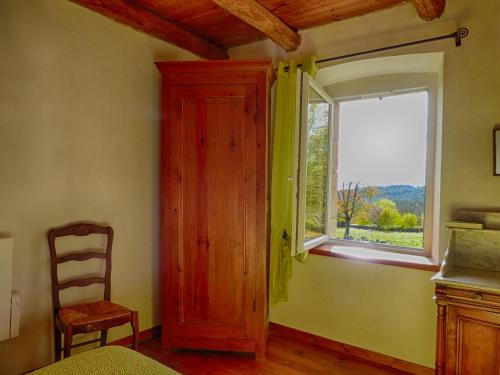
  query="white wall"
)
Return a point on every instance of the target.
[
  {"x": 79, "y": 140},
  {"x": 389, "y": 309}
]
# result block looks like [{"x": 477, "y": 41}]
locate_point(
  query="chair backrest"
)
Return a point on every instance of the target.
[{"x": 80, "y": 229}]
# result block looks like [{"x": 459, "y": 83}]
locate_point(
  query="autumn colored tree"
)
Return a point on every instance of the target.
[
  {"x": 362, "y": 217},
  {"x": 351, "y": 199}
]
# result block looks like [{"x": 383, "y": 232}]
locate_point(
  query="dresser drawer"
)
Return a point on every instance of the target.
[{"x": 468, "y": 295}]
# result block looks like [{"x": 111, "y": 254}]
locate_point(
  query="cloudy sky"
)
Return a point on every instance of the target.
[{"x": 383, "y": 142}]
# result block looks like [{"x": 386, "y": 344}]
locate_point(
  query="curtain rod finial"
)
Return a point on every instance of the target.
[{"x": 460, "y": 34}]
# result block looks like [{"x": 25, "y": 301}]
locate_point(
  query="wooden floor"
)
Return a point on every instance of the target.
[{"x": 285, "y": 356}]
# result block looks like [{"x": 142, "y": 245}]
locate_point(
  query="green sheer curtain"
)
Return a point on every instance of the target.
[
  {"x": 282, "y": 180},
  {"x": 285, "y": 107}
]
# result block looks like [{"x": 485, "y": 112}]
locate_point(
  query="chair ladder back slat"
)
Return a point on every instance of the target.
[
  {"x": 81, "y": 229},
  {"x": 81, "y": 256},
  {"x": 84, "y": 281}
]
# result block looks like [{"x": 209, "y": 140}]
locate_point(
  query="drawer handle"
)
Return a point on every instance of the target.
[{"x": 478, "y": 296}]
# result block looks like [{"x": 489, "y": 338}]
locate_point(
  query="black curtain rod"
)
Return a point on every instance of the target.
[{"x": 458, "y": 35}]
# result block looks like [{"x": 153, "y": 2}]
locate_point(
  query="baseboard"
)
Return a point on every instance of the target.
[
  {"x": 145, "y": 335},
  {"x": 382, "y": 359},
  {"x": 284, "y": 331}
]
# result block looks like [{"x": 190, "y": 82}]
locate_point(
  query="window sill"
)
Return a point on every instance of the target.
[{"x": 361, "y": 254}]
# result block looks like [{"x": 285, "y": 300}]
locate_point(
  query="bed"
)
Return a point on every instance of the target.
[{"x": 108, "y": 360}]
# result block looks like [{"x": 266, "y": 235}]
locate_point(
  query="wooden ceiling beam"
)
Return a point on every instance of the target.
[
  {"x": 429, "y": 9},
  {"x": 143, "y": 19},
  {"x": 260, "y": 18}
]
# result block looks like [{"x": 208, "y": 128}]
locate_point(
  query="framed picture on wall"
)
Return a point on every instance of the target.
[{"x": 496, "y": 150}]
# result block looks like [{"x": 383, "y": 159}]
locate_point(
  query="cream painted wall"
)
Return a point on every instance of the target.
[
  {"x": 79, "y": 130},
  {"x": 79, "y": 101},
  {"x": 389, "y": 309},
  {"x": 382, "y": 308}
]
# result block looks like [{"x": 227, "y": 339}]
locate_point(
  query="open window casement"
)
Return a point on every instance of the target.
[{"x": 316, "y": 149}]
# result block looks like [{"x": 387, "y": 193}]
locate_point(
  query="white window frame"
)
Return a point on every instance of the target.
[
  {"x": 414, "y": 83},
  {"x": 301, "y": 246}
]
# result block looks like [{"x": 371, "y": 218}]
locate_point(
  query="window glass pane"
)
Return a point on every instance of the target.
[
  {"x": 316, "y": 214},
  {"x": 381, "y": 171}
]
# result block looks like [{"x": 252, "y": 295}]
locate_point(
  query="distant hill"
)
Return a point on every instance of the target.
[{"x": 408, "y": 198}]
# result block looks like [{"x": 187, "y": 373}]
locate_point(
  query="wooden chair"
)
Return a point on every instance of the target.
[{"x": 85, "y": 317}]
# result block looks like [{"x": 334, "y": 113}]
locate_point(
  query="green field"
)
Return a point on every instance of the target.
[{"x": 407, "y": 239}]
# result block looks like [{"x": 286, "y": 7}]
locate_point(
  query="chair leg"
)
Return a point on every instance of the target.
[
  {"x": 68, "y": 340},
  {"x": 104, "y": 337},
  {"x": 135, "y": 330},
  {"x": 57, "y": 343}
]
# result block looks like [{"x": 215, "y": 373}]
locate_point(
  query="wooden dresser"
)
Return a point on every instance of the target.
[
  {"x": 214, "y": 204},
  {"x": 468, "y": 299},
  {"x": 468, "y": 333}
]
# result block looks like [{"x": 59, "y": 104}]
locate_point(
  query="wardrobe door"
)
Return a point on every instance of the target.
[{"x": 210, "y": 209}]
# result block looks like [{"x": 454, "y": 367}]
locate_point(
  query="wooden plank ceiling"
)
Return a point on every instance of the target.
[{"x": 208, "y": 28}]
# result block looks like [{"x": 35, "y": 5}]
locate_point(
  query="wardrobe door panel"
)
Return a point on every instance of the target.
[{"x": 217, "y": 196}]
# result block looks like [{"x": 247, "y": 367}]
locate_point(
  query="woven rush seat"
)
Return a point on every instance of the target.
[{"x": 91, "y": 313}]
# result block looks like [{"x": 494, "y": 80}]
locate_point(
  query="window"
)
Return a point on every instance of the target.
[
  {"x": 366, "y": 169},
  {"x": 381, "y": 170}
]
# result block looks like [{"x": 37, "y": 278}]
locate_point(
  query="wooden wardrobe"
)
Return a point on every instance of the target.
[{"x": 214, "y": 189}]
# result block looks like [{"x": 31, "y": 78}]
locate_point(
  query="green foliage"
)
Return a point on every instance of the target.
[
  {"x": 317, "y": 168},
  {"x": 385, "y": 204},
  {"x": 407, "y": 221},
  {"x": 388, "y": 218},
  {"x": 408, "y": 198}
]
